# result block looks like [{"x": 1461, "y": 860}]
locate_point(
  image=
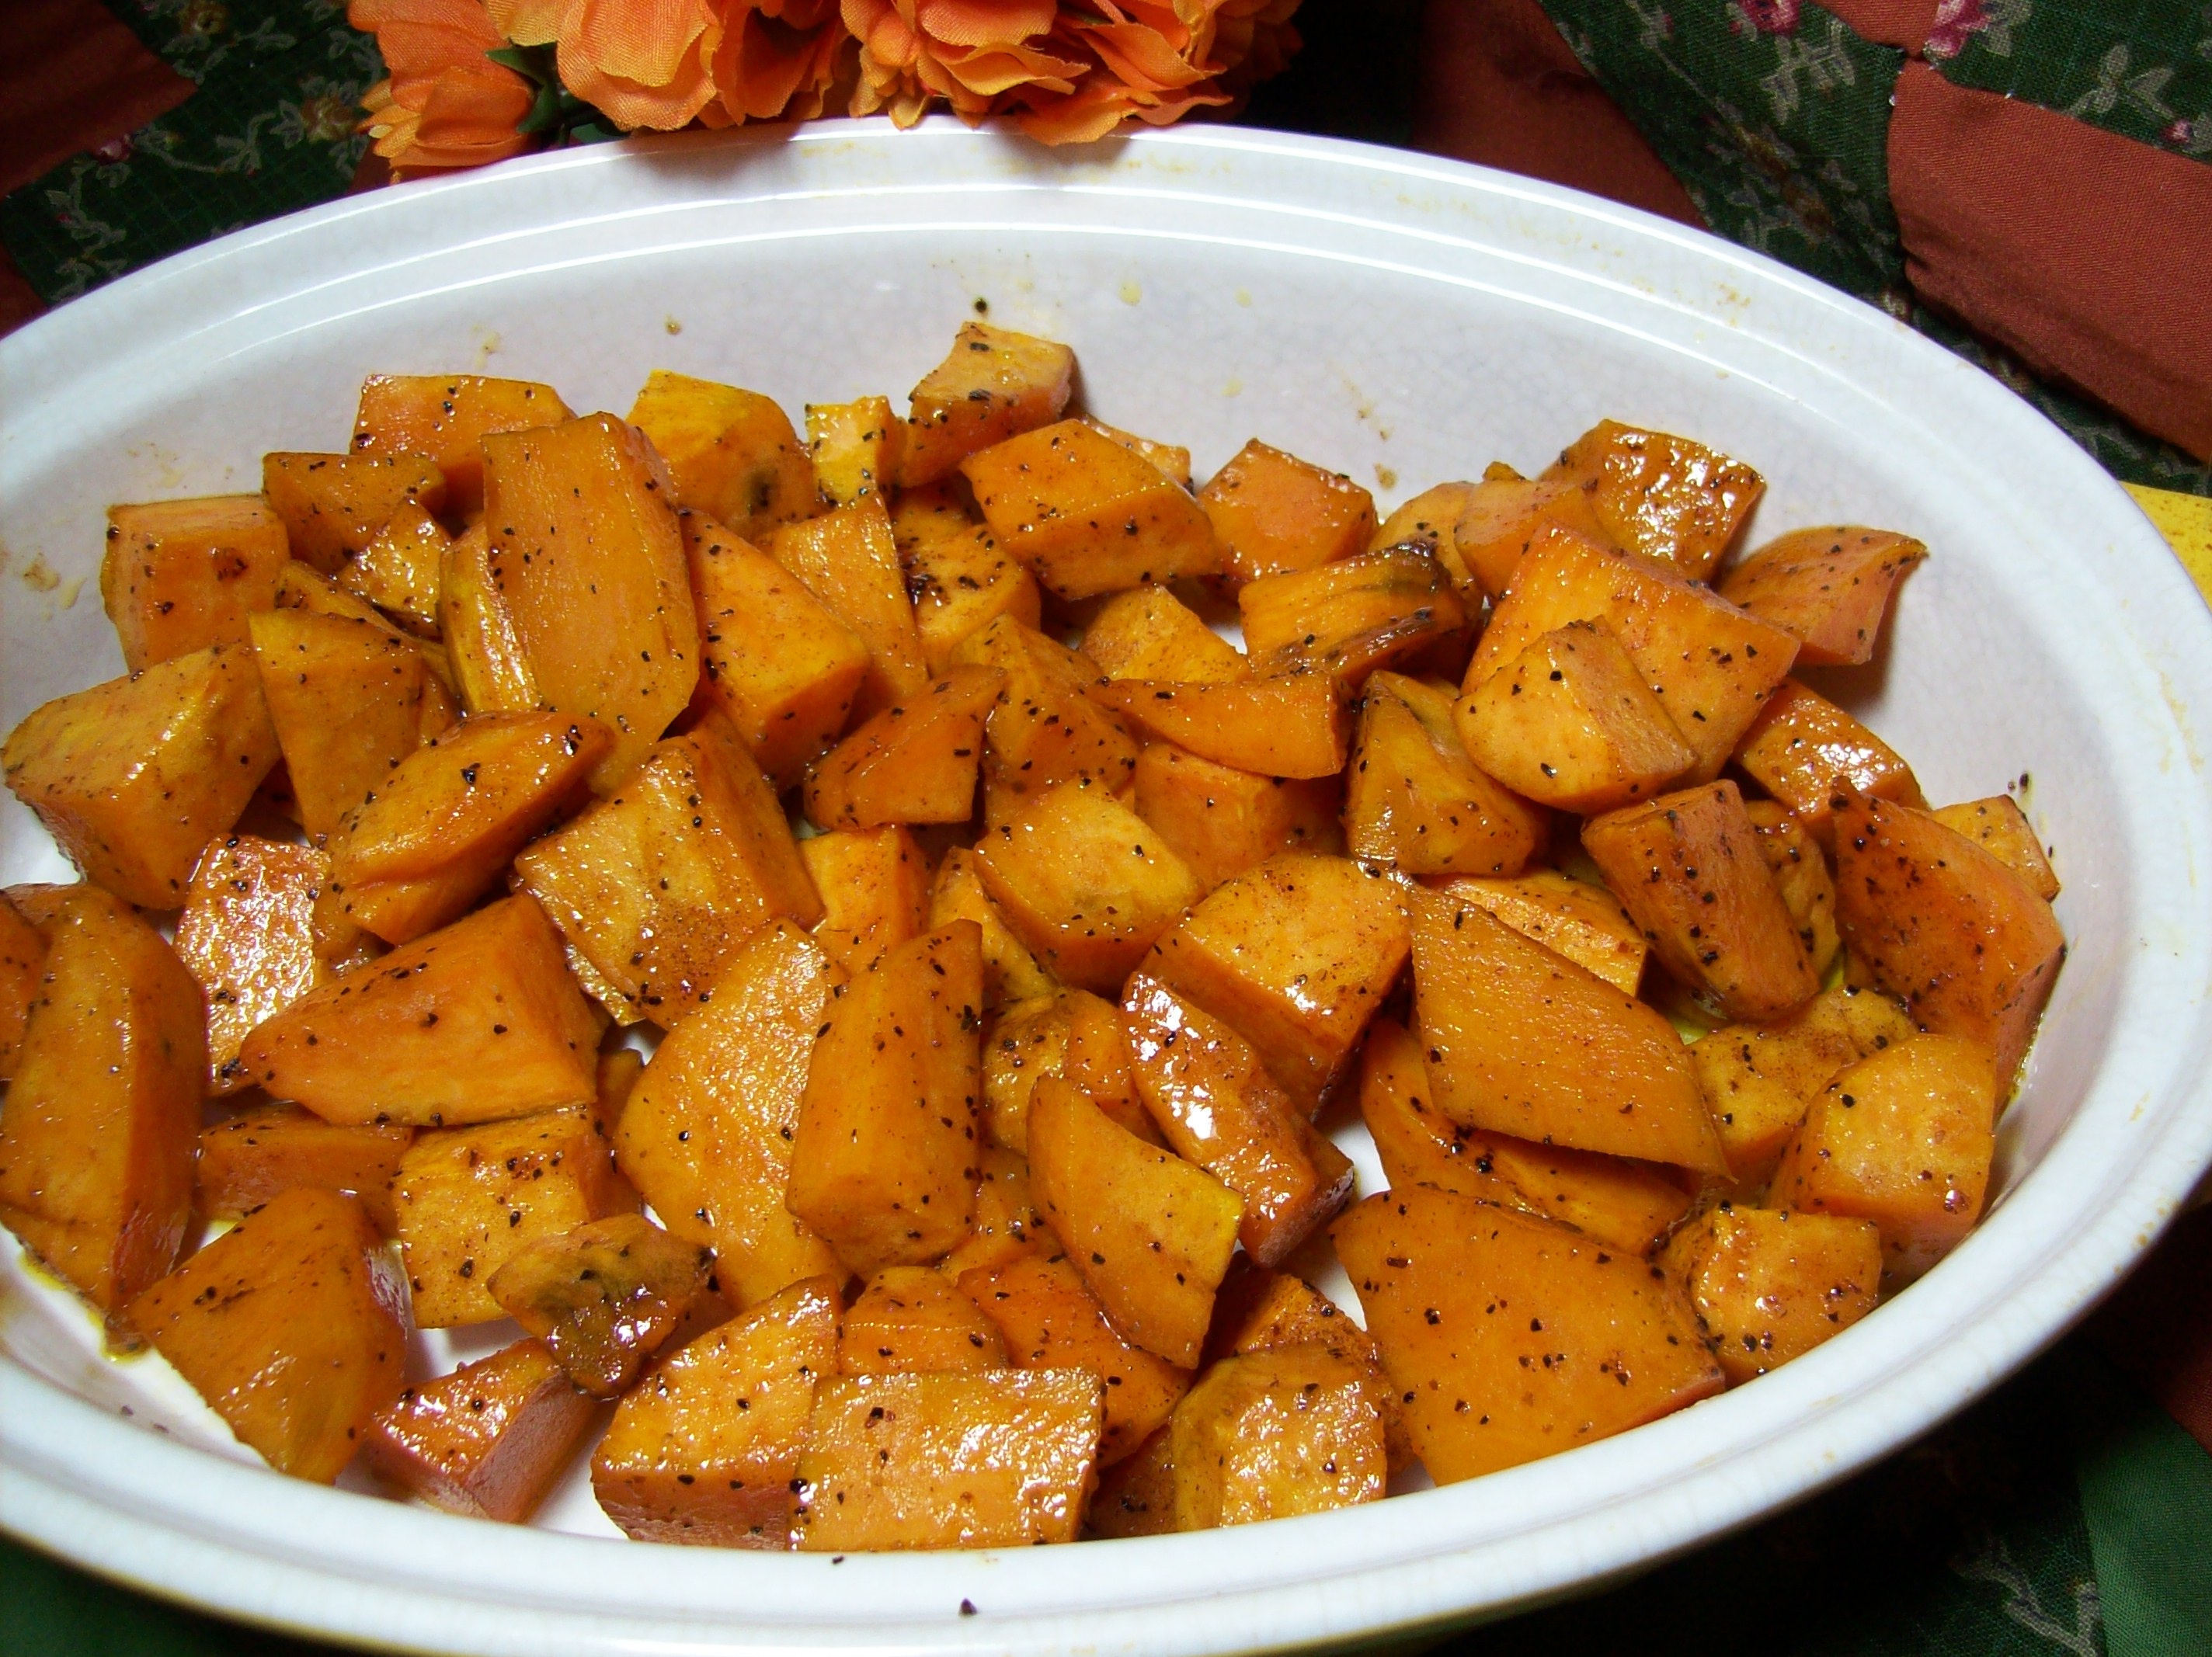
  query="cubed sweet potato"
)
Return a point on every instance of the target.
[
  {"x": 23, "y": 964},
  {"x": 1800, "y": 874},
  {"x": 1221, "y": 821},
  {"x": 586, "y": 550},
  {"x": 487, "y": 1441},
  {"x": 1172, "y": 458},
  {"x": 1429, "y": 521},
  {"x": 245, "y": 1161},
  {"x": 97, "y": 1132},
  {"x": 1007, "y": 1226},
  {"x": 446, "y": 417},
  {"x": 1350, "y": 617},
  {"x": 181, "y": 575},
  {"x": 916, "y": 762},
  {"x": 1829, "y": 586},
  {"x": 874, "y": 886},
  {"x": 332, "y": 507},
  {"x": 1267, "y": 1434},
  {"x": 855, "y": 448},
  {"x": 398, "y": 571},
  {"x": 705, "y": 1449},
  {"x": 1578, "y": 919},
  {"x": 1011, "y": 971},
  {"x": 1068, "y": 1033},
  {"x": 479, "y": 1020},
  {"x": 992, "y": 384},
  {"x": 883, "y": 1158},
  {"x": 1954, "y": 931},
  {"x": 1522, "y": 1041},
  {"x": 1147, "y": 633},
  {"x": 1002, "y": 1459},
  {"x": 1293, "y": 726},
  {"x": 1769, "y": 1285},
  {"x": 1588, "y": 1345},
  {"x": 300, "y": 586},
  {"x": 490, "y": 670},
  {"x": 1136, "y": 1495},
  {"x": 707, "y": 1135},
  {"x": 347, "y": 702},
  {"x": 732, "y": 453},
  {"x": 1086, "y": 515},
  {"x": 779, "y": 662},
  {"x": 1086, "y": 884},
  {"x": 1217, "y": 1105},
  {"x": 1051, "y": 1320},
  {"x": 603, "y": 1297},
  {"x": 1664, "y": 496},
  {"x": 247, "y": 935},
  {"x": 1414, "y": 799},
  {"x": 134, "y": 777},
  {"x": 912, "y": 1320},
  {"x": 1688, "y": 868},
  {"x": 850, "y": 561},
  {"x": 961, "y": 584},
  {"x": 2000, "y": 828},
  {"x": 1502, "y": 516},
  {"x": 1044, "y": 729},
  {"x": 1802, "y": 748},
  {"x": 1275, "y": 514},
  {"x": 1904, "y": 1138},
  {"x": 293, "y": 1327},
  {"x": 1258, "y": 1311}
]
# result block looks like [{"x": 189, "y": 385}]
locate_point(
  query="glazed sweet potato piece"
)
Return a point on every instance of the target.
[
  {"x": 487, "y": 1441},
  {"x": 1296, "y": 956},
  {"x": 1414, "y": 799},
  {"x": 1800, "y": 874},
  {"x": 347, "y": 702},
  {"x": 134, "y": 777},
  {"x": 916, "y": 762},
  {"x": 776, "y": 659},
  {"x": 1172, "y": 458},
  {"x": 1428, "y": 521},
  {"x": 2000, "y": 828},
  {"x": 1136, "y": 1495},
  {"x": 1217, "y": 1105},
  {"x": 912, "y": 1319},
  {"x": 603, "y": 1297},
  {"x": 1275, "y": 514},
  {"x": 247, "y": 935},
  {"x": 1767, "y": 1286},
  {"x": 1802, "y": 748},
  {"x": 1147, "y": 633},
  {"x": 586, "y": 550},
  {"x": 1221, "y": 821},
  {"x": 1760, "y": 1079},
  {"x": 1577, "y": 918},
  {"x": 1086, "y": 515},
  {"x": 1151, "y": 1234},
  {"x": 1592, "y": 1345},
  {"x": 1086, "y": 883},
  {"x": 874, "y": 886},
  {"x": 1287, "y": 1430},
  {"x": 1662, "y": 497},
  {"x": 330, "y": 507},
  {"x": 1294, "y": 726},
  {"x": 1688, "y": 868},
  {"x": 1502, "y": 516},
  {"x": 1051, "y": 1320},
  {"x": 994, "y": 384},
  {"x": 1711, "y": 665},
  {"x": 23, "y": 964},
  {"x": 1904, "y": 1138},
  {"x": 732, "y": 453},
  {"x": 855, "y": 448},
  {"x": 293, "y": 1327},
  {"x": 1522, "y": 1041},
  {"x": 883, "y": 1156},
  {"x": 1623, "y": 1204},
  {"x": 1007, "y": 1226},
  {"x": 475, "y": 1021},
  {"x": 245, "y": 1161},
  {"x": 1350, "y": 617},
  {"x": 850, "y": 561},
  {"x": 1071, "y": 1034},
  {"x": 1570, "y": 723},
  {"x": 1963, "y": 939},
  {"x": 1011, "y": 971},
  {"x": 707, "y": 1135},
  {"x": 1003, "y": 1459},
  {"x": 398, "y": 571},
  {"x": 705, "y": 1449},
  {"x": 446, "y": 417},
  {"x": 961, "y": 583},
  {"x": 449, "y": 819},
  {"x": 181, "y": 575},
  {"x": 658, "y": 882},
  {"x": 1044, "y": 729},
  {"x": 1830, "y": 587},
  {"x": 1260, "y": 1311},
  {"x": 96, "y": 1135},
  {"x": 490, "y": 670}
]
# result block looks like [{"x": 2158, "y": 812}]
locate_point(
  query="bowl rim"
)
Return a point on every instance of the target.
[{"x": 115, "y": 1499}]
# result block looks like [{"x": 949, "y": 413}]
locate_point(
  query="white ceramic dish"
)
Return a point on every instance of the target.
[{"x": 1405, "y": 320}]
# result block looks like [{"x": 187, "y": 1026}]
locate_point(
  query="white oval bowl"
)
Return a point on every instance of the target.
[{"x": 1401, "y": 319}]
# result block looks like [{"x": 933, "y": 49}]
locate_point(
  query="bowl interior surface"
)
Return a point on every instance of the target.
[{"x": 1404, "y": 322}]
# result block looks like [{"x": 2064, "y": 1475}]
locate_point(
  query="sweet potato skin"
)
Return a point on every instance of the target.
[{"x": 603, "y": 1297}]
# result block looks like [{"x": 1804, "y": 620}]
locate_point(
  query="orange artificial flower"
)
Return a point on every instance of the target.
[
  {"x": 640, "y": 63},
  {"x": 1150, "y": 60},
  {"x": 444, "y": 103},
  {"x": 777, "y": 58},
  {"x": 968, "y": 52}
]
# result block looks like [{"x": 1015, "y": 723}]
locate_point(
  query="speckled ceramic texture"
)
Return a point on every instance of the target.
[{"x": 1401, "y": 319}]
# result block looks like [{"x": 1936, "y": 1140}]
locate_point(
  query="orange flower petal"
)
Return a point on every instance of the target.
[
  {"x": 529, "y": 22},
  {"x": 984, "y": 22},
  {"x": 768, "y": 67},
  {"x": 419, "y": 37},
  {"x": 1140, "y": 56},
  {"x": 643, "y": 63}
]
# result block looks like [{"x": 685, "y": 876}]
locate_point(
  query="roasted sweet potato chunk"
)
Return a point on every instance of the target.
[
  {"x": 1071, "y": 1034},
  {"x": 490, "y": 670},
  {"x": 961, "y": 583},
  {"x": 874, "y": 886},
  {"x": 1147, "y": 633},
  {"x": 475, "y": 1021},
  {"x": 1007, "y": 1226},
  {"x": 1136, "y": 1495},
  {"x": 705, "y": 1449},
  {"x": 247, "y": 935},
  {"x": 2000, "y": 828},
  {"x": 446, "y": 417},
  {"x": 1414, "y": 799},
  {"x": 994, "y": 384},
  {"x": 1522, "y": 1041},
  {"x": 855, "y": 448},
  {"x": 884, "y": 1159},
  {"x": 181, "y": 575},
  {"x": 850, "y": 561},
  {"x": 1502, "y": 516},
  {"x": 399, "y": 570},
  {"x": 1221, "y": 821},
  {"x": 1829, "y": 586},
  {"x": 1963, "y": 939},
  {"x": 1578, "y": 919},
  {"x": 134, "y": 777},
  {"x": 1800, "y": 874},
  {"x": 707, "y": 1135},
  {"x": 1011, "y": 971},
  {"x": 1286, "y": 1430},
  {"x": 1767, "y": 1286},
  {"x": 23, "y": 964},
  {"x": 1044, "y": 730},
  {"x": 1802, "y": 748},
  {"x": 487, "y": 1441},
  {"x": 96, "y": 1130},
  {"x": 346, "y": 699},
  {"x": 332, "y": 507},
  {"x": 1293, "y": 726},
  {"x": 1086, "y": 515},
  {"x": 916, "y": 762},
  {"x": 1350, "y": 617},
  {"x": 1515, "y": 1338},
  {"x": 1259, "y": 1311},
  {"x": 1428, "y": 521},
  {"x": 912, "y": 1319},
  {"x": 293, "y": 1327},
  {"x": 1172, "y": 458},
  {"x": 732, "y": 453},
  {"x": 1276, "y": 514},
  {"x": 1665, "y": 497},
  {"x": 245, "y": 1161},
  {"x": 1003, "y": 1459},
  {"x": 604, "y": 1296}
]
